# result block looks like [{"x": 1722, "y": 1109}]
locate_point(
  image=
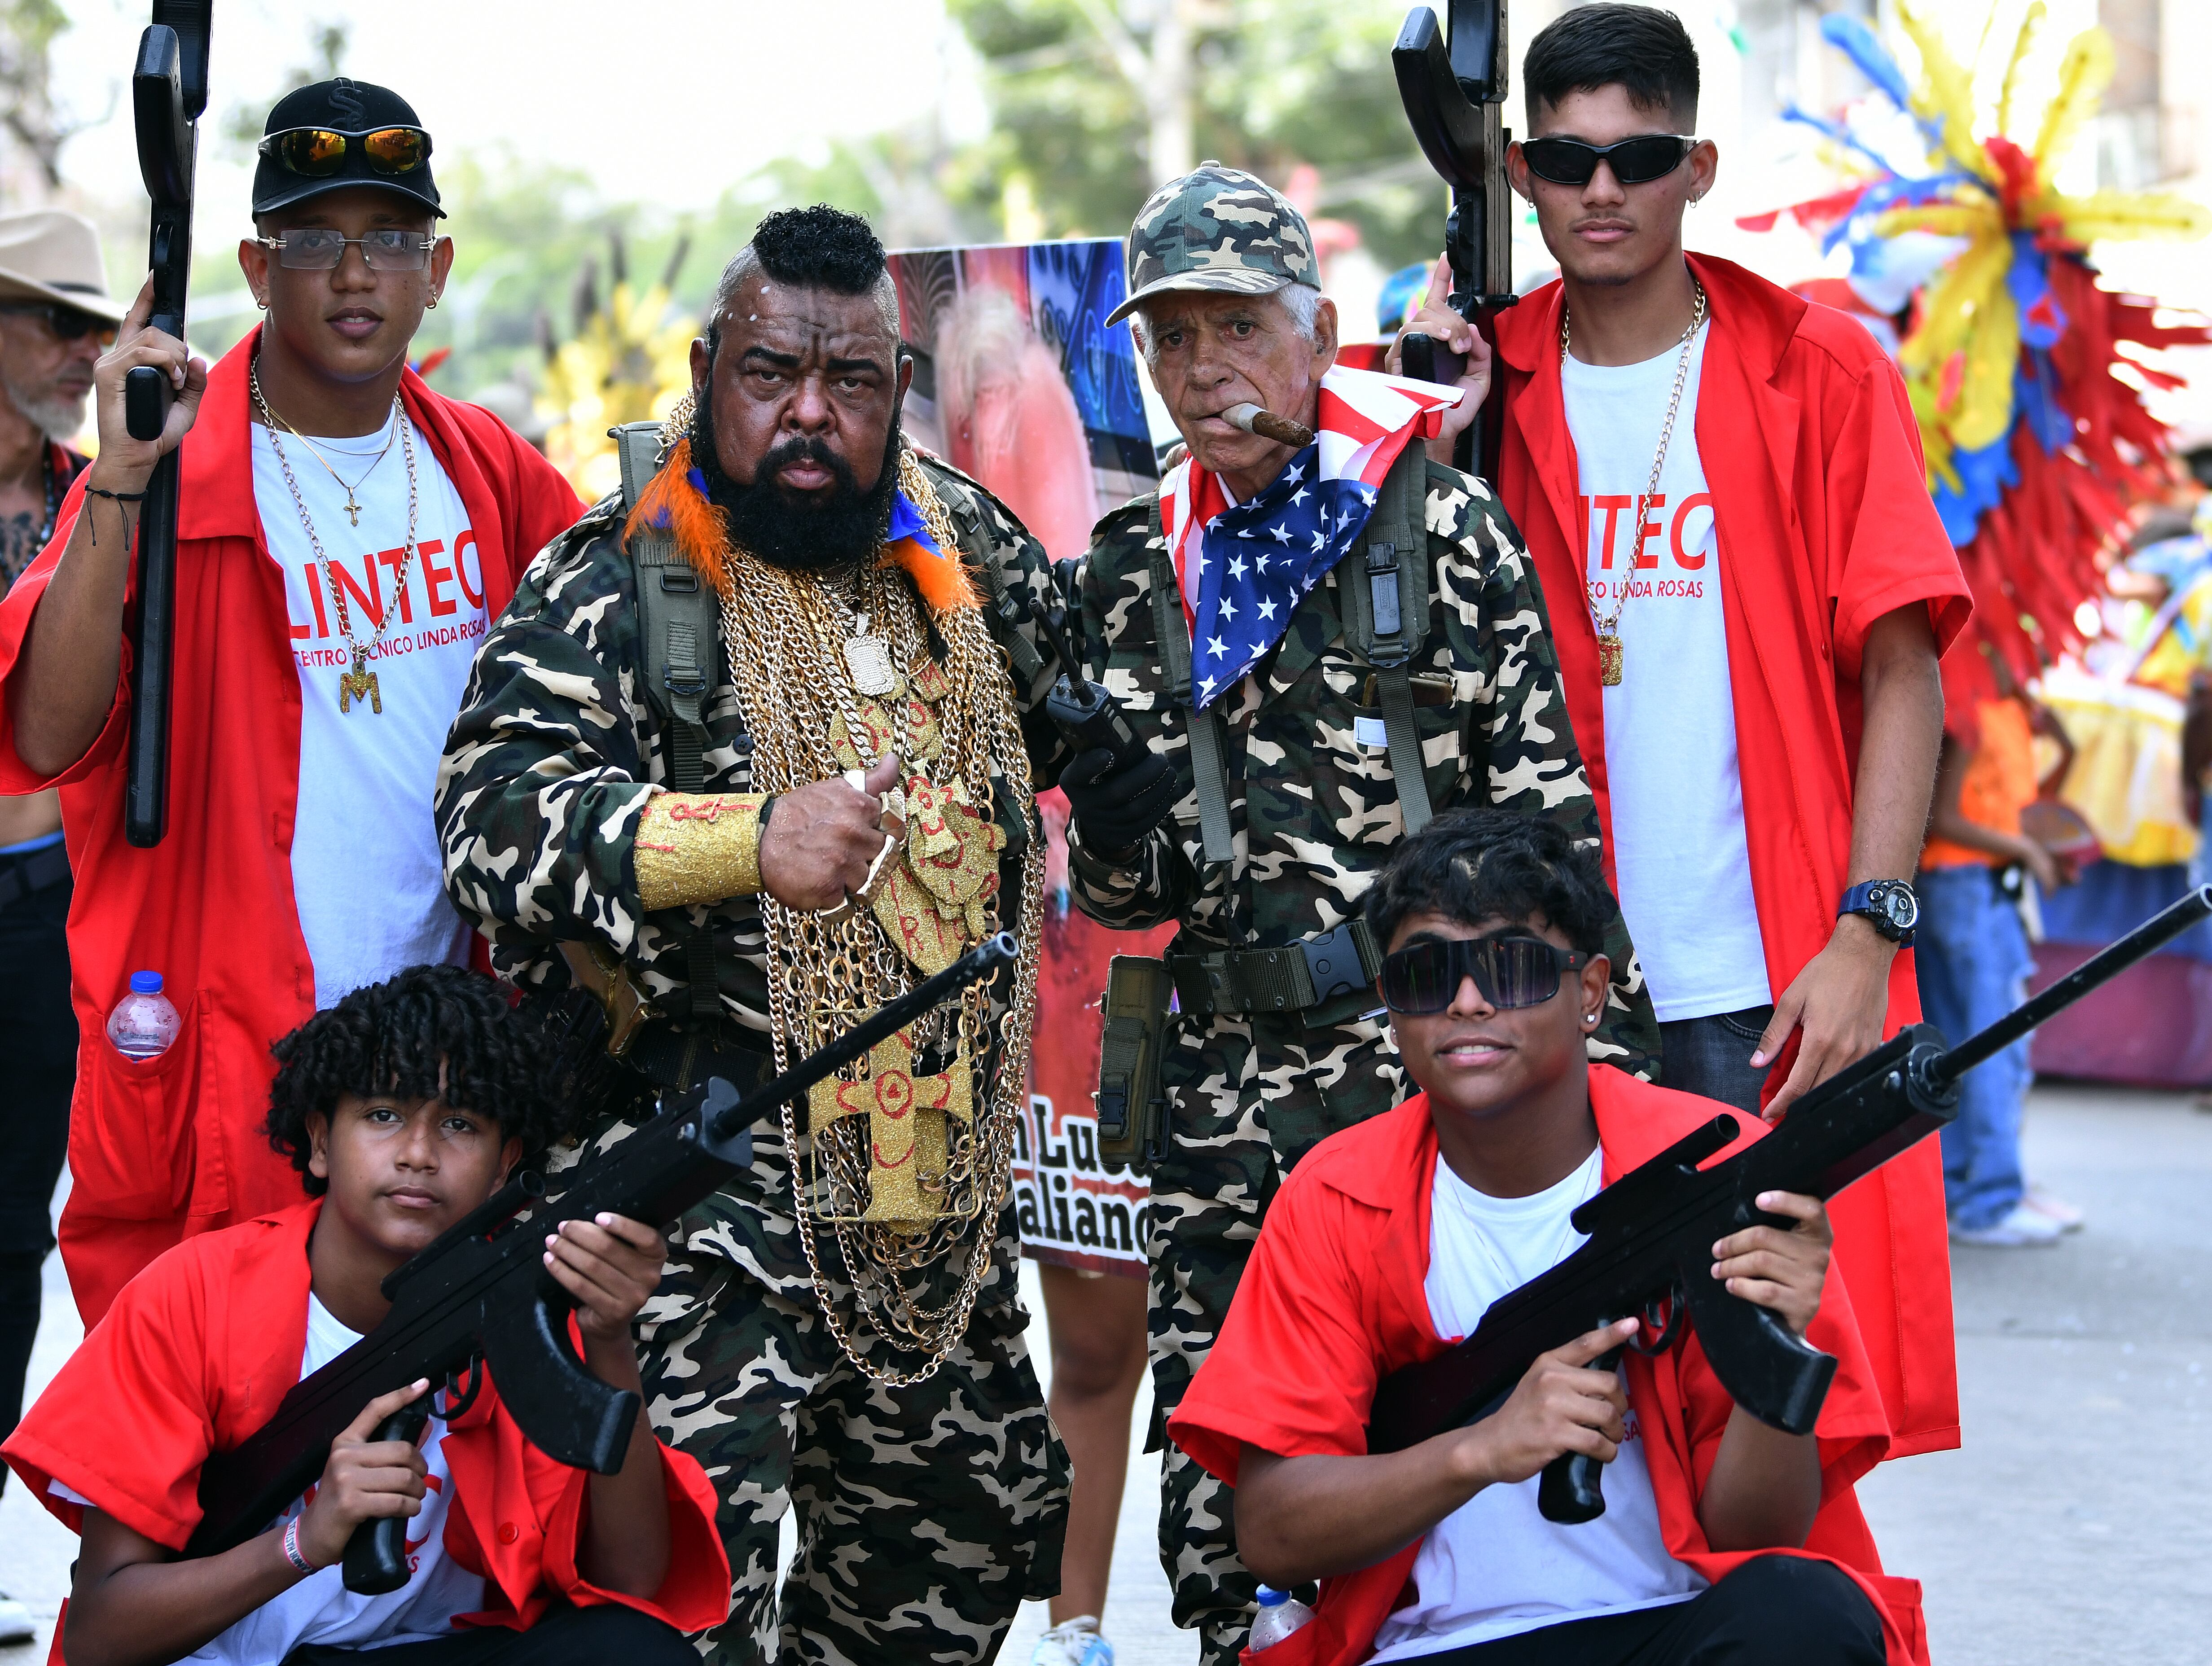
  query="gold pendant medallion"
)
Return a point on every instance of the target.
[
  {"x": 869, "y": 660},
  {"x": 1608, "y": 661},
  {"x": 360, "y": 684}
]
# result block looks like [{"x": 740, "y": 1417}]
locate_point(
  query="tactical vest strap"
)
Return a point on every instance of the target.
[
  {"x": 1209, "y": 748},
  {"x": 679, "y": 638},
  {"x": 1384, "y": 595},
  {"x": 1000, "y": 608}
]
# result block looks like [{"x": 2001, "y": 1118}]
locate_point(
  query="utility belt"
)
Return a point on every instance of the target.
[
  {"x": 1318, "y": 981},
  {"x": 683, "y": 1058},
  {"x": 28, "y": 872}
]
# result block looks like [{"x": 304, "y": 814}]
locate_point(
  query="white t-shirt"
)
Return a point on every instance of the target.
[
  {"x": 1495, "y": 1567},
  {"x": 1680, "y": 860},
  {"x": 366, "y": 874},
  {"x": 319, "y": 1608}
]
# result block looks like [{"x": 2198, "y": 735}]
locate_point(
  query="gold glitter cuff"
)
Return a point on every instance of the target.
[{"x": 698, "y": 848}]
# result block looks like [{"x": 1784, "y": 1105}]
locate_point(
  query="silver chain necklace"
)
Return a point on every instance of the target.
[{"x": 359, "y": 683}]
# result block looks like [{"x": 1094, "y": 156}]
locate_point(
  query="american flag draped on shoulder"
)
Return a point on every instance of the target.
[{"x": 1244, "y": 568}]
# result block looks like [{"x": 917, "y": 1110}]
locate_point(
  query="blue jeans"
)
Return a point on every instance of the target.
[
  {"x": 1711, "y": 1055},
  {"x": 1973, "y": 960}
]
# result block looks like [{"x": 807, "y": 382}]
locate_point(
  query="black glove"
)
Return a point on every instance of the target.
[{"x": 1117, "y": 807}]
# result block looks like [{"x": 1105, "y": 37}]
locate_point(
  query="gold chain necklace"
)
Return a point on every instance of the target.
[
  {"x": 1608, "y": 625},
  {"x": 909, "y": 1223},
  {"x": 358, "y": 683}
]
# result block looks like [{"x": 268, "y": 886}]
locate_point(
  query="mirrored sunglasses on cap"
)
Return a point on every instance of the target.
[
  {"x": 1508, "y": 971},
  {"x": 1635, "y": 161},
  {"x": 320, "y": 153}
]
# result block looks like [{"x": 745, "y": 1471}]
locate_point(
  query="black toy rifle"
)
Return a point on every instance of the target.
[
  {"x": 1083, "y": 713},
  {"x": 168, "y": 90},
  {"x": 1651, "y": 1234},
  {"x": 481, "y": 1293},
  {"x": 1455, "y": 97}
]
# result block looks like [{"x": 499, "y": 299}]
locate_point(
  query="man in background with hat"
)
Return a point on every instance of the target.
[
  {"x": 56, "y": 317},
  {"x": 345, "y": 538},
  {"x": 1329, "y": 641}
]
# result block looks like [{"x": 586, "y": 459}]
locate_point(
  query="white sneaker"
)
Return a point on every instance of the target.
[
  {"x": 1073, "y": 1643},
  {"x": 2069, "y": 1216},
  {"x": 2023, "y": 1228},
  {"x": 16, "y": 1625}
]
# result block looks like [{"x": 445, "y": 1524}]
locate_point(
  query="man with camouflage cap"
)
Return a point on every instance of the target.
[
  {"x": 1329, "y": 641},
  {"x": 671, "y": 782}
]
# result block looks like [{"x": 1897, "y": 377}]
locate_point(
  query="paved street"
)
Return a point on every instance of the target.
[{"x": 2069, "y": 1528}]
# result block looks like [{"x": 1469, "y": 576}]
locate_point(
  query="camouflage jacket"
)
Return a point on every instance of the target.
[
  {"x": 1313, "y": 806},
  {"x": 556, "y": 749}
]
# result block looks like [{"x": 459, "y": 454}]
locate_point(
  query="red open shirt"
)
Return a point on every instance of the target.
[{"x": 1332, "y": 1300}]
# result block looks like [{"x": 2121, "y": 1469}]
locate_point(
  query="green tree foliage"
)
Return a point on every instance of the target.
[{"x": 1272, "y": 84}]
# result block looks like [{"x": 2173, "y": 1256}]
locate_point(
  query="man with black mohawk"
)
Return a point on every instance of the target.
[{"x": 745, "y": 760}]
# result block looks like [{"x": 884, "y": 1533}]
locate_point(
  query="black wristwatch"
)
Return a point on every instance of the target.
[{"x": 1888, "y": 904}]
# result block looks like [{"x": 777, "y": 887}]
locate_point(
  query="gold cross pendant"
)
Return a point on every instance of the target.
[
  {"x": 360, "y": 684},
  {"x": 1608, "y": 659},
  {"x": 907, "y": 1130},
  {"x": 353, "y": 510}
]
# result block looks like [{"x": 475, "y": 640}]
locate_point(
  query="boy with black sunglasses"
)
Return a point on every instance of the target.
[
  {"x": 1721, "y": 486},
  {"x": 1723, "y": 1542},
  {"x": 346, "y": 536}
]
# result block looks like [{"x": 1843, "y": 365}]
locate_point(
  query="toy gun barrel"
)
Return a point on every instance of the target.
[{"x": 2101, "y": 968}]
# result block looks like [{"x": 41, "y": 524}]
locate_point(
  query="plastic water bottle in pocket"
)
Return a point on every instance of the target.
[
  {"x": 1280, "y": 1613},
  {"x": 143, "y": 1024}
]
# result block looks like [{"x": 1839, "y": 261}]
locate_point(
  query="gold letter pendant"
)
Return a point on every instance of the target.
[{"x": 360, "y": 684}]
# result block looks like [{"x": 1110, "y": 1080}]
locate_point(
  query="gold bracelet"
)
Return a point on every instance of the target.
[{"x": 698, "y": 848}]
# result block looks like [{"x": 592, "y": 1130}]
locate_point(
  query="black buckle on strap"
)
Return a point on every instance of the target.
[{"x": 1334, "y": 964}]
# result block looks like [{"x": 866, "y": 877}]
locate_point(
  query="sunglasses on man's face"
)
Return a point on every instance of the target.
[
  {"x": 66, "y": 322},
  {"x": 1635, "y": 161},
  {"x": 317, "y": 153},
  {"x": 1424, "y": 978}
]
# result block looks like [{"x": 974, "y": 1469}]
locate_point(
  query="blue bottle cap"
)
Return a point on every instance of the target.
[
  {"x": 1271, "y": 1598},
  {"x": 145, "y": 984}
]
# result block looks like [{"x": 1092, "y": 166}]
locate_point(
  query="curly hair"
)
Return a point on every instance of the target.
[
  {"x": 819, "y": 248},
  {"x": 404, "y": 1036},
  {"x": 1489, "y": 864}
]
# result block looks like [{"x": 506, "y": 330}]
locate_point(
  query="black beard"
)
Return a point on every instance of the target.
[{"x": 799, "y": 535}]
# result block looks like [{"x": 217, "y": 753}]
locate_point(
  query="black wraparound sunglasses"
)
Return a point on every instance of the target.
[
  {"x": 1635, "y": 161},
  {"x": 1510, "y": 971}
]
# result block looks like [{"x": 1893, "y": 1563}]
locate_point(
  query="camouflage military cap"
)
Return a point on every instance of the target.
[{"x": 1220, "y": 230}]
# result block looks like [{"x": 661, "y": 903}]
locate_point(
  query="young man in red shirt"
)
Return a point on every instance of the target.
[
  {"x": 402, "y": 1109},
  {"x": 1759, "y": 710},
  {"x": 1723, "y": 1542},
  {"x": 346, "y": 538}
]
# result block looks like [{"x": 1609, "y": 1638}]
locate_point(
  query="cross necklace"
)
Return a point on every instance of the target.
[{"x": 352, "y": 487}]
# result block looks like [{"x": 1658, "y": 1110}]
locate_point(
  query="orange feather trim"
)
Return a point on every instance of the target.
[
  {"x": 701, "y": 530},
  {"x": 941, "y": 576}
]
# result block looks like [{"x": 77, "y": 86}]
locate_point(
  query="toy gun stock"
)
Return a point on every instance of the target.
[
  {"x": 1454, "y": 97},
  {"x": 1651, "y": 1234},
  {"x": 480, "y": 1294},
  {"x": 168, "y": 91}
]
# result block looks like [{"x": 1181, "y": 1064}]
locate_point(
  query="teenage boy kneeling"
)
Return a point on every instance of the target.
[
  {"x": 1723, "y": 1540},
  {"x": 403, "y": 1107}
]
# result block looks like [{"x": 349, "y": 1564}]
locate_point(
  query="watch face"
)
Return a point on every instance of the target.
[{"x": 1902, "y": 907}]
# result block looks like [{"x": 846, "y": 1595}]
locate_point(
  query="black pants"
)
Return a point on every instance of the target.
[
  {"x": 1780, "y": 1610},
  {"x": 606, "y": 1636},
  {"x": 38, "y": 1056}
]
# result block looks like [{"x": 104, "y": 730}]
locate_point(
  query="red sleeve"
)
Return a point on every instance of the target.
[
  {"x": 16, "y": 776},
  {"x": 695, "y": 1594},
  {"x": 1889, "y": 549},
  {"x": 127, "y": 1421},
  {"x": 1293, "y": 1372},
  {"x": 546, "y": 505}
]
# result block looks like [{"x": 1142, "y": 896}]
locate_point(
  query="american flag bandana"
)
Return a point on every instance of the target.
[{"x": 1244, "y": 568}]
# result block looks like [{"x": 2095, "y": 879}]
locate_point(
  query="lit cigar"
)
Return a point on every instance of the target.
[{"x": 1268, "y": 426}]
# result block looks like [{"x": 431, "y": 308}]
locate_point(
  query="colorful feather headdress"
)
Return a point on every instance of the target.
[{"x": 2036, "y": 449}]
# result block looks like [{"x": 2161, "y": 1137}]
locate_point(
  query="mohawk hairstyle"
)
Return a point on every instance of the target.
[
  {"x": 819, "y": 248},
  {"x": 1641, "y": 49},
  {"x": 403, "y": 1038},
  {"x": 1490, "y": 864}
]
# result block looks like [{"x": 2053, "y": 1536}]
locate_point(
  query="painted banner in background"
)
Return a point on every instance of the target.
[
  {"x": 1019, "y": 381},
  {"x": 1073, "y": 1209}
]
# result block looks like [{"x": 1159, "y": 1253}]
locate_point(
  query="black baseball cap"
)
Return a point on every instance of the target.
[{"x": 342, "y": 105}]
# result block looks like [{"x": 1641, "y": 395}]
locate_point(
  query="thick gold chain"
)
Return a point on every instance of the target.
[{"x": 785, "y": 634}]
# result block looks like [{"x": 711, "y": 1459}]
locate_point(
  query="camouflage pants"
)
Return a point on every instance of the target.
[
  {"x": 925, "y": 1514},
  {"x": 1210, "y": 1191}
]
